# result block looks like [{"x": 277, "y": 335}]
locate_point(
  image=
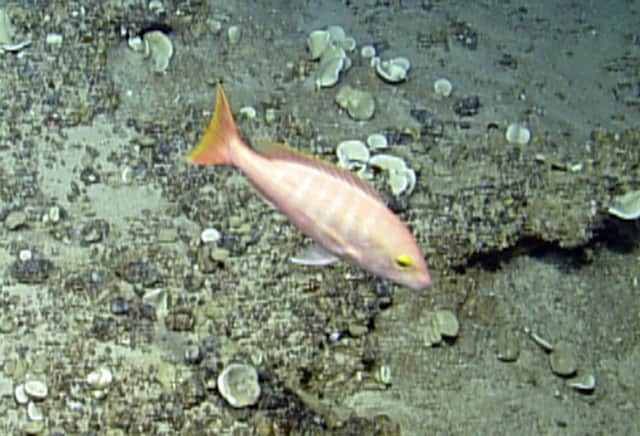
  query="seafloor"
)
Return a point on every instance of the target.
[{"x": 111, "y": 301}]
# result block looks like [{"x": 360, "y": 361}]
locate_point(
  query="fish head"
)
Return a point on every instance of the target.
[{"x": 399, "y": 258}]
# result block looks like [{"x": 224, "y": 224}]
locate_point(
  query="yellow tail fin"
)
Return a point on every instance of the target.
[{"x": 214, "y": 147}]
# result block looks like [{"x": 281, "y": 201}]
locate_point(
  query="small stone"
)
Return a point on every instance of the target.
[
  {"x": 36, "y": 389},
  {"x": 447, "y": 323},
  {"x": 119, "y": 306},
  {"x": 15, "y": 220},
  {"x": 238, "y": 384},
  {"x": 100, "y": 378},
  {"x": 563, "y": 362}
]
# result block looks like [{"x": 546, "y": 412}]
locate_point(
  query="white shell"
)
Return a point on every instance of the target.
[
  {"x": 6, "y": 28},
  {"x": 360, "y": 105},
  {"x": 517, "y": 134},
  {"x": 398, "y": 182},
  {"x": 626, "y": 206},
  {"x": 20, "y": 394},
  {"x": 54, "y": 40},
  {"x": 443, "y": 87},
  {"x": 34, "y": 412},
  {"x": 348, "y": 43},
  {"x": 585, "y": 382},
  {"x": 337, "y": 33},
  {"x": 238, "y": 384},
  {"x": 100, "y": 378},
  {"x": 160, "y": 48},
  {"x": 328, "y": 72},
  {"x": 388, "y": 162},
  {"x": 248, "y": 112},
  {"x": 368, "y": 51},
  {"x": 394, "y": 70},
  {"x": 233, "y": 35},
  {"x": 377, "y": 141},
  {"x": 447, "y": 323},
  {"x": 352, "y": 150},
  {"x": 136, "y": 43},
  {"x": 210, "y": 235},
  {"x": 317, "y": 43},
  {"x": 36, "y": 389}
]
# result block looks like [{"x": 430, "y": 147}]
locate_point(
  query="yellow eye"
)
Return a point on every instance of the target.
[{"x": 404, "y": 261}]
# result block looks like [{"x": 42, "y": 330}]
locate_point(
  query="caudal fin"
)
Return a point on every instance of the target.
[{"x": 214, "y": 147}]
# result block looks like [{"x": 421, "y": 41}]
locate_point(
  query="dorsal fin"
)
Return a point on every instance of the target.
[{"x": 282, "y": 151}]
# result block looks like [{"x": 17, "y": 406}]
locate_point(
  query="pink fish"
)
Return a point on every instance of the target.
[{"x": 336, "y": 208}]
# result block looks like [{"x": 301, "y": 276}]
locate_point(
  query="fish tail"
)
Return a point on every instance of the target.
[{"x": 221, "y": 134}]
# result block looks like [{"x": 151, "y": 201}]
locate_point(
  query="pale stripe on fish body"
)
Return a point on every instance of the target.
[{"x": 335, "y": 208}]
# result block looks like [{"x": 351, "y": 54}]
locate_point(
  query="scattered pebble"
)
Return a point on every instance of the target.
[{"x": 238, "y": 384}]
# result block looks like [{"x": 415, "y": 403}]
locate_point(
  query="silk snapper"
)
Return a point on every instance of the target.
[{"x": 337, "y": 209}]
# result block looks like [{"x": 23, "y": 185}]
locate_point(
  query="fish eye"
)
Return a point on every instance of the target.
[{"x": 404, "y": 261}]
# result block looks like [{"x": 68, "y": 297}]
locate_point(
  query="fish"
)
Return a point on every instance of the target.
[{"x": 337, "y": 209}]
